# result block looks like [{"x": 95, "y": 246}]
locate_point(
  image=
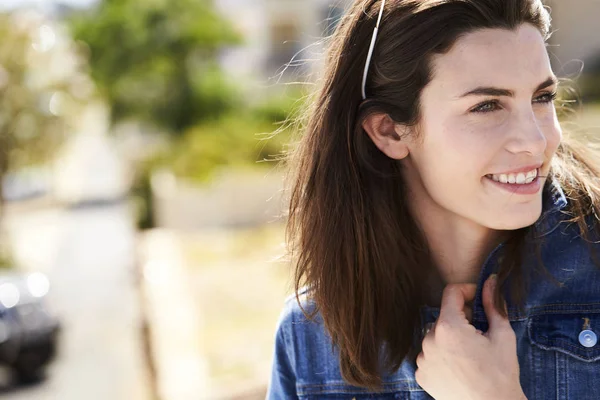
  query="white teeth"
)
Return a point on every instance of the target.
[{"x": 519, "y": 179}]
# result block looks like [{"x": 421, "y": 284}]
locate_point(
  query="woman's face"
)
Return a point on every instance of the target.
[{"x": 488, "y": 111}]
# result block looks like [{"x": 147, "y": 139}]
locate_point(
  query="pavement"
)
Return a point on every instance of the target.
[{"x": 181, "y": 370}]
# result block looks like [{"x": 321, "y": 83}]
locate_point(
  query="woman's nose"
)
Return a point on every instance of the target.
[{"x": 528, "y": 136}]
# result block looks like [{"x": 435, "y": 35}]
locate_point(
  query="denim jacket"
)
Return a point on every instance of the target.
[{"x": 557, "y": 347}]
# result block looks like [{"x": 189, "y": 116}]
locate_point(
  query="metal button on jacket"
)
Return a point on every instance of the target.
[{"x": 588, "y": 338}]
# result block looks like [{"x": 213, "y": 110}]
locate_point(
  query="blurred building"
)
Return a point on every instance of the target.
[{"x": 282, "y": 37}]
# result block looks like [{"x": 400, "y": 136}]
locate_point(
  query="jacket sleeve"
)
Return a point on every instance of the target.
[{"x": 282, "y": 385}]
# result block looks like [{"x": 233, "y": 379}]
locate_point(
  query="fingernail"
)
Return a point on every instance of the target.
[{"x": 493, "y": 280}]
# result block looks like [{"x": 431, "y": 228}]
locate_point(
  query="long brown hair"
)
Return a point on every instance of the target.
[{"x": 352, "y": 239}]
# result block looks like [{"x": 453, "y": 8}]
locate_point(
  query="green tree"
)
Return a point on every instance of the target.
[{"x": 156, "y": 59}]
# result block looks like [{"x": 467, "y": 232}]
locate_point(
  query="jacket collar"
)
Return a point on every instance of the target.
[{"x": 553, "y": 203}]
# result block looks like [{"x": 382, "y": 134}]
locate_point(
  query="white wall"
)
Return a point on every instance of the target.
[{"x": 232, "y": 200}]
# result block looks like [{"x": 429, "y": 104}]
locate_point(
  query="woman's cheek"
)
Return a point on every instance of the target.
[{"x": 553, "y": 133}]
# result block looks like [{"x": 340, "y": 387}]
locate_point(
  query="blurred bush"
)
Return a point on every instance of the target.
[
  {"x": 253, "y": 137},
  {"x": 250, "y": 138}
]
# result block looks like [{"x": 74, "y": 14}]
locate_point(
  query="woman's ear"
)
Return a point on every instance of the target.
[{"x": 389, "y": 137}]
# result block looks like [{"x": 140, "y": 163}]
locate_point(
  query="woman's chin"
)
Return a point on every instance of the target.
[{"x": 512, "y": 221}]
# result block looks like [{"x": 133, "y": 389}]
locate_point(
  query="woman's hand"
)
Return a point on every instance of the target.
[{"x": 460, "y": 362}]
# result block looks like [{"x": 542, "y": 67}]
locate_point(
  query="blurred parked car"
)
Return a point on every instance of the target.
[{"x": 28, "y": 329}]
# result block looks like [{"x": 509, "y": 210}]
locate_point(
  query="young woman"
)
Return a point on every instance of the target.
[{"x": 431, "y": 160}]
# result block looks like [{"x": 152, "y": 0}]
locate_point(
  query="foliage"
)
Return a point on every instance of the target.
[
  {"x": 156, "y": 59},
  {"x": 252, "y": 138},
  {"x": 255, "y": 137},
  {"x": 231, "y": 141}
]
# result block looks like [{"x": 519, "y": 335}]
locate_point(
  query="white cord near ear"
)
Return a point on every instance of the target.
[{"x": 371, "y": 47}]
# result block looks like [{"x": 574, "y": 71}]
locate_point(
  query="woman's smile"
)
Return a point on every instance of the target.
[
  {"x": 518, "y": 178},
  {"x": 531, "y": 183}
]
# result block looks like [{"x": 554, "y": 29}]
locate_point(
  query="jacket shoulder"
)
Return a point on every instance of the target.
[{"x": 294, "y": 308}]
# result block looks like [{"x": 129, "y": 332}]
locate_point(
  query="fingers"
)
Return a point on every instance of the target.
[
  {"x": 495, "y": 320},
  {"x": 454, "y": 299},
  {"x": 469, "y": 313}
]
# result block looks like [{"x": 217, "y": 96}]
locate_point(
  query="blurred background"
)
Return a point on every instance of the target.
[{"x": 141, "y": 228}]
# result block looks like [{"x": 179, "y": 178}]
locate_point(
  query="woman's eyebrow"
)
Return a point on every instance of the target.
[{"x": 493, "y": 91}]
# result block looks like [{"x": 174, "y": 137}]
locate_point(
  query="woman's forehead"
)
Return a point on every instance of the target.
[{"x": 516, "y": 60}]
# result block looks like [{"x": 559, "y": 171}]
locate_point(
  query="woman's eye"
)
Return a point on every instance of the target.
[
  {"x": 486, "y": 107},
  {"x": 490, "y": 106},
  {"x": 546, "y": 98}
]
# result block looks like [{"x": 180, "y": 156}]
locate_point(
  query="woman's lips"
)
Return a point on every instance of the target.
[{"x": 519, "y": 188}]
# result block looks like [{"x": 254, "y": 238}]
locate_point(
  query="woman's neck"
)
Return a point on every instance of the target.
[
  {"x": 458, "y": 253},
  {"x": 458, "y": 246}
]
